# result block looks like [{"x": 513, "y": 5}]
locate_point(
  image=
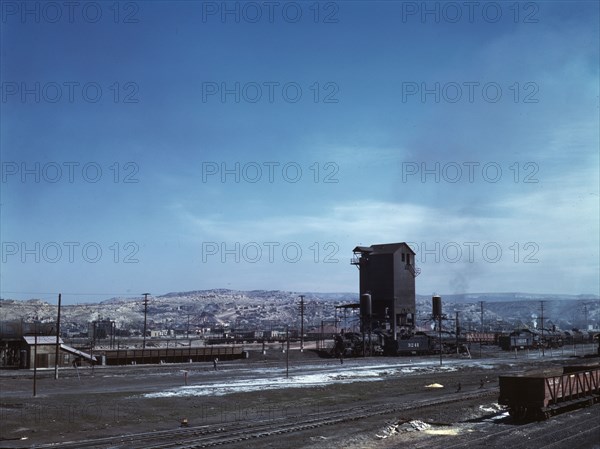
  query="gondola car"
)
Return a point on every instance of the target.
[{"x": 538, "y": 396}]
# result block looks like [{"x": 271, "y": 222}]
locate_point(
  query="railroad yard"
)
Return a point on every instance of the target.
[{"x": 378, "y": 402}]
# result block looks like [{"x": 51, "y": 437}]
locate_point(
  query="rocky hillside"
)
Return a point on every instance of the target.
[{"x": 262, "y": 309}]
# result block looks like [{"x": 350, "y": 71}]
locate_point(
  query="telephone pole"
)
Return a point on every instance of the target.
[
  {"x": 457, "y": 330},
  {"x": 481, "y": 305},
  {"x": 543, "y": 342},
  {"x": 287, "y": 352},
  {"x": 35, "y": 341},
  {"x": 301, "y": 323},
  {"x": 145, "y": 317},
  {"x": 56, "y": 354}
]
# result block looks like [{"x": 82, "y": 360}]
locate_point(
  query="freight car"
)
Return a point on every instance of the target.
[
  {"x": 576, "y": 336},
  {"x": 538, "y": 396},
  {"x": 486, "y": 338},
  {"x": 531, "y": 339}
]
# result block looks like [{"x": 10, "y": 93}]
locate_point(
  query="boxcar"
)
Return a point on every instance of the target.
[{"x": 538, "y": 396}]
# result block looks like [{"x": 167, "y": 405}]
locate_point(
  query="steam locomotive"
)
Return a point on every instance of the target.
[{"x": 353, "y": 344}]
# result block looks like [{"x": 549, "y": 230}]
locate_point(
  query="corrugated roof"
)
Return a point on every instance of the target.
[{"x": 42, "y": 339}]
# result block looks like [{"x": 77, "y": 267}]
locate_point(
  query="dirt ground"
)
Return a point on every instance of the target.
[{"x": 107, "y": 401}]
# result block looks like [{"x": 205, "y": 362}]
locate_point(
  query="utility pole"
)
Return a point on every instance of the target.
[
  {"x": 301, "y": 323},
  {"x": 145, "y": 317},
  {"x": 457, "y": 331},
  {"x": 35, "y": 360},
  {"x": 188, "y": 325},
  {"x": 287, "y": 352},
  {"x": 113, "y": 330},
  {"x": 481, "y": 305},
  {"x": 543, "y": 342},
  {"x": 437, "y": 315},
  {"x": 440, "y": 335},
  {"x": 57, "y": 340}
]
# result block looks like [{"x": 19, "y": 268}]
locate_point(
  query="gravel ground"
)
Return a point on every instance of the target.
[{"x": 118, "y": 400}]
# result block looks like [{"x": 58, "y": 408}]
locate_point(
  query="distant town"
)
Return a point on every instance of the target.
[{"x": 218, "y": 313}]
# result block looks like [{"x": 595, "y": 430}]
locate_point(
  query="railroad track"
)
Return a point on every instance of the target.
[
  {"x": 585, "y": 432},
  {"x": 222, "y": 434},
  {"x": 560, "y": 434},
  {"x": 523, "y": 436}
]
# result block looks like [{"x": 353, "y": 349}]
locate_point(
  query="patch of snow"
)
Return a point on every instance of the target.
[
  {"x": 491, "y": 408},
  {"x": 248, "y": 385},
  {"x": 410, "y": 426},
  {"x": 269, "y": 382}
]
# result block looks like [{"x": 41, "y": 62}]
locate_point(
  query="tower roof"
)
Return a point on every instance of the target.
[{"x": 385, "y": 248}]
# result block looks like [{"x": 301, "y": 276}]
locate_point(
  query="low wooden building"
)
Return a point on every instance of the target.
[{"x": 41, "y": 350}]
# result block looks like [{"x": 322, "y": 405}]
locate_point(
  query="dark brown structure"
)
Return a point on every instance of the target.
[
  {"x": 536, "y": 396},
  {"x": 387, "y": 273},
  {"x": 171, "y": 355}
]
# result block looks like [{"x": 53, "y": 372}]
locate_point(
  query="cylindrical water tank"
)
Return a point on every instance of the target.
[
  {"x": 365, "y": 305},
  {"x": 436, "y": 302}
]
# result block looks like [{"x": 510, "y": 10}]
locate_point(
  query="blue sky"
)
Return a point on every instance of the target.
[{"x": 200, "y": 150}]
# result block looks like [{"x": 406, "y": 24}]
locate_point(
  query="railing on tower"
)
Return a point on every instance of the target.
[{"x": 413, "y": 269}]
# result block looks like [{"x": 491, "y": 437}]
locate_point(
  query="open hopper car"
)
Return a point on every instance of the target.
[{"x": 538, "y": 396}]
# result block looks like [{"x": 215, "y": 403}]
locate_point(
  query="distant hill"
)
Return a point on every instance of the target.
[
  {"x": 511, "y": 297},
  {"x": 273, "y": 308}
]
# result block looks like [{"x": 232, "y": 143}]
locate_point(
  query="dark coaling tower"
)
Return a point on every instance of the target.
[{"x": 387, "y": 273}]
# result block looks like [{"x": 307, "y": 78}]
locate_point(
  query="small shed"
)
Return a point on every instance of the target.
[{"x": 46, "y": 352}]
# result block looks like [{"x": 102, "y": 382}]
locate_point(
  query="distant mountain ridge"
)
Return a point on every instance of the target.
[
  {"x": 515, "y": 296},
  {"x": 266, "y": 308},
  {"x": 335, "y": 296}
]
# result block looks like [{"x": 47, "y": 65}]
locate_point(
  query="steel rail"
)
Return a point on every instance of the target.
[{"x": 219, "y": 433}]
